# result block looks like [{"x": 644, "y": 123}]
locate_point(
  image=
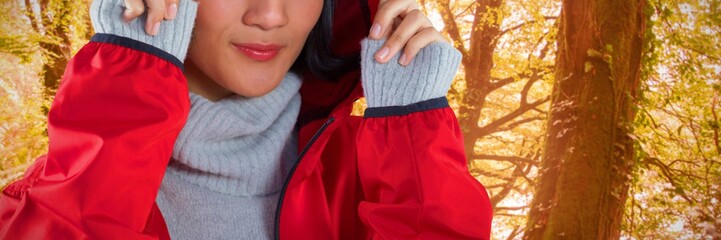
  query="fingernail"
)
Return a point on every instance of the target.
[
  {"x": 155, "y": 29},
  {"x": 376, "y": 31},
  {"x": 382, "y": 53},
  {"x": 402, "y": 60},
  {"x": 172, "y": 11}
]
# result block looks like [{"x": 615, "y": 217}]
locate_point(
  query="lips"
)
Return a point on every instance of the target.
[{"x": 258, "y": 52}]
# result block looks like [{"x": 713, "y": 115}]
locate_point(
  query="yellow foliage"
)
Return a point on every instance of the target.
[{"x": 22, "y": 124}]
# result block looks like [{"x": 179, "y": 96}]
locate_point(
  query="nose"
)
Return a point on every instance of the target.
[{"x": 266, "y": 14}]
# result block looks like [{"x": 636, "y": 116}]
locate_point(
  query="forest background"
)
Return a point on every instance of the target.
[{"x": 582, "y": 118}]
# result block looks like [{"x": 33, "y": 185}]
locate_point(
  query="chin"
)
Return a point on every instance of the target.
[
  {"x": 255, "y": 89},
  {"x": 252, "y": 94}
]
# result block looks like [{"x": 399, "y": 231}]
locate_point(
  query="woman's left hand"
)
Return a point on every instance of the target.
[{"x": 405, "y": 27}]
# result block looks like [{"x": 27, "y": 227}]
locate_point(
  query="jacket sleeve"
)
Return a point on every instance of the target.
[
  {"x": 112, "y": 125},
  {"x": 411, "y": 161}
]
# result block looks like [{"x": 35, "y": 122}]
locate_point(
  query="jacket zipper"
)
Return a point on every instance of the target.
[{"x": 292, "y": 170}]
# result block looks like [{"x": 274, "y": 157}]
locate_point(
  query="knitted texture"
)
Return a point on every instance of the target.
[
  {"x": 428, "y": 76},
  {"x": 229, "y": 163},
  {"x": 235, "y": 145},
  {"x": 193, "y": 212},
  {"x": 173, "y": 36}
]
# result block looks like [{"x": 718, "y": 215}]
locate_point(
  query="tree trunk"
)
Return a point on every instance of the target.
[
  {"x": 588, "y": 156},
  {"x": 53, "y": 22},
  {"x": 478, "y": 64},
  {"x": 58, "y": 50},
  {"x": 54, "y": 67}
]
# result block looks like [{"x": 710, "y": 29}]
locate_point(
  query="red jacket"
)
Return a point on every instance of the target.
[{"x": 397, "y": 173}]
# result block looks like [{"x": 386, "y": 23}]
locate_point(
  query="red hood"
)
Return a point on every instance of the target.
[{"x": 351, "y": 23}]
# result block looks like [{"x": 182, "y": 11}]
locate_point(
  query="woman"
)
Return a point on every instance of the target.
[{"x": 249, "y": 153}]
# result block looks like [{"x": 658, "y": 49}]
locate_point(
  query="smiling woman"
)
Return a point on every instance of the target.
[
  {"x": 243, "y": 139},
  {"x": 246, "y": 47}
]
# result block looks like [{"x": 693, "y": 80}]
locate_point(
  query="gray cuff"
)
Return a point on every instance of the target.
[
  {"x": 173, "y": 36},
  {"x": 428, "y": 76}
]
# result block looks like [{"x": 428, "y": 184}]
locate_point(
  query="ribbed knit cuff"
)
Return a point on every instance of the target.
[
  {"x": 173, "y": 36},
  {"x": 428, "y": 76}
]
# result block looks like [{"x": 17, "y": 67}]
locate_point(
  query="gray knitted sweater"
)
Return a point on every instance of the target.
[{"x": 231, "y": 157}]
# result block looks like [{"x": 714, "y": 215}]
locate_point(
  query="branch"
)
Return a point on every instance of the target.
[
  {"x": 491, "y": 127},
  {"x": 45, "y": 14},
  {"x": 529, "y": 180},
  {"x": 537, "y": 73},
  {"x": 666, "y": 172},
  {"x": 514, "y": 233},
  {"x": 508, "y": 215},
  {"x": 487, "y": 187},
  {"x": 544, "y": 50},
  {"x": 515, "y": 124},
  {"x": 452, "y": 27},
  {"x": 468, "y": 8},
  {"x": 489, "y": 174},
  {"x": 499, "y": 83},
  {"x": 511, "y": 208},
  {"x": 683, "y": 161},
  {"x": 500, "y": 139},
  {"x": 682, "y": 42},
  {"x": 508, "y": 186},
  {"x": 30, "y": 13},
  {"x": 539, "y": 111},
  {"x": 520, "y": 25},
  {"x": 714, "y": 102},
  {"x": 512, "y": 159}
]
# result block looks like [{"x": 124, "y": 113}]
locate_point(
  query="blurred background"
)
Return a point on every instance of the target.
[{"x": 584, "y": 119}]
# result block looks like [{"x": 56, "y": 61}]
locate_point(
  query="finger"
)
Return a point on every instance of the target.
[
  {"x": 156, "y": 13},
  {"x": 423, "y": 38},
  {"x": 395, "y": 24},
  {"x": 133, "y": 9},
  {"x": 413, "y": 23},
  {"x": 171, "y": 9},
  {"x": 387, "y": 12}
]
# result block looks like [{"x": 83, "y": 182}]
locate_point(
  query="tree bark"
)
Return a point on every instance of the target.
[
  {"x": 53, "y": 24},
  {"x": 57, "y": 51},
  {"x": 588, "y": 156},
  {"x": 478, "y": 65}
]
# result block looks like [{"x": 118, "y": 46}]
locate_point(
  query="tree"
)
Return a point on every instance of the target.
[
  {"x": 508, "y": 49},
  {"x": 677, "y": 128},
  {"x": 501, "y": 93},
  {"x": 588, "y": 158},
  {"x": 37, "y": 39},
  {"x": 58, "y": 29}
]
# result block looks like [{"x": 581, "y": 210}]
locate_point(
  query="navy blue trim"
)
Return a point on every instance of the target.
[
  {"x": 137, "y": 45},
  {"x": 431, "y": 104},
  {"x": 292, "y": 171}
]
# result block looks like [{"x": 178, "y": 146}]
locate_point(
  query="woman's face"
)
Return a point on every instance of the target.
[{"x": 247, "y": 46}]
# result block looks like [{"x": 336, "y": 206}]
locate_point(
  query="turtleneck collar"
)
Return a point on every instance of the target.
[{"x": 239, "y": 146}]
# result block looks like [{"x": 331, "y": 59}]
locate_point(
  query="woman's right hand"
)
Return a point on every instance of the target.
[{"x": 158, "y": 10}]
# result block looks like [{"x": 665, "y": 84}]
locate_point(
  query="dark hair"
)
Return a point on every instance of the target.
[{"x": 316, "y": 56}]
